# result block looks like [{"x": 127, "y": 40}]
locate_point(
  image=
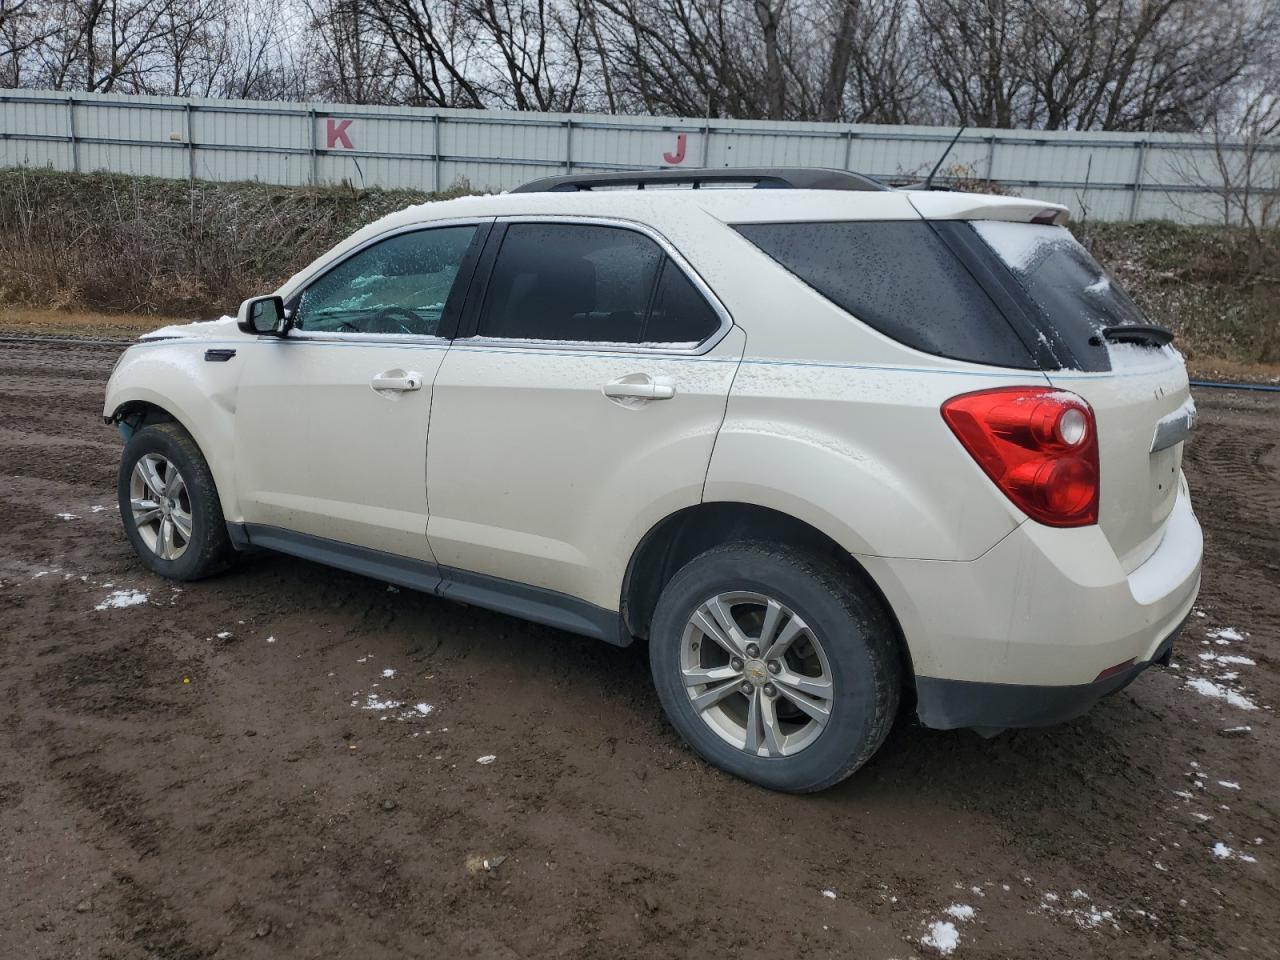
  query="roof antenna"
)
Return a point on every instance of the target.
[{"x": 928, "y": 181}]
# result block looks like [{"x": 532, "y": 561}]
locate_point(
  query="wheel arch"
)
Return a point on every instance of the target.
[
  {"x": 132, "y": 415},
  {"x": 682, "y": 535},
  {"x": 136, "y": 412}
]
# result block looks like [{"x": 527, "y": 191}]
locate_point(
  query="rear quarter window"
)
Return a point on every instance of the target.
[{"x": 900, "y": 278}]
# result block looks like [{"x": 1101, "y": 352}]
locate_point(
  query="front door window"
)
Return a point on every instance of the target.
[{"x": 397, "y": 286}]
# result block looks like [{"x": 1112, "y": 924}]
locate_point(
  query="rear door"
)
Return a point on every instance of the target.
[
  {"x": 331, "y": 421},
  {"x": 581, "y": 412},
  {"x": 1138, "y": 389}
]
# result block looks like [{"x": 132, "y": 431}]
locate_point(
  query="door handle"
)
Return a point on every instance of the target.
[
  {"x": 640, "y": 386},
  {"x": 397, "y": 380}
]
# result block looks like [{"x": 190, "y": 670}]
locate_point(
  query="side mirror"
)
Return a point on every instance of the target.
[{"x": 263, "y": 315}]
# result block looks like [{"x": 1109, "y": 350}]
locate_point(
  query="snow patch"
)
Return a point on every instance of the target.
[
  {"x": 942, "y": 936},
  {"x": 122, "y": 598},
  {"x": 66, "y": 516},
  {"x": 1086, "y": 917},
  {"x": 1221, "y": 851},
  {"x": 1207, "y": 688},
  {"x": 1210, "y": 657},
  {"x": 487, "y": 759},
  {"x": 962, "y": 912},
  {"x": 829, "y": 894},
  {"x": 1226, "y": 634},
  {"x": 1020, "y": 245}
]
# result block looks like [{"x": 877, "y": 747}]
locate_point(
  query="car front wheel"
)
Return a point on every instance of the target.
[
  {"x": 775, "y": 665},
  {"x": 169, "y": 504}
]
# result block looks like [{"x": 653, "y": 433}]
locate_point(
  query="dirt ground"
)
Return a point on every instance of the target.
[{"x": 197, "y": 775}]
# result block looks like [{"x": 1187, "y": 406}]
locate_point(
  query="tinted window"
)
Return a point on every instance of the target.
[
  {"x": 899, "y": 278},
  {"x": 1076, "y": 298},
  {"x": 585, "y": 283},
  {"x": 397, "y": 286},
  {"x": 680, "y": 314}
]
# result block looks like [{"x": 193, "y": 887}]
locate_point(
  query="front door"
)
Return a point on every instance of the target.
[
  {"x": 583, "y": 410},
  {"x": 331, "y": 421}
]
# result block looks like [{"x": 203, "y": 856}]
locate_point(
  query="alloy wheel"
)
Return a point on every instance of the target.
[
  {"x": 756, "y": 674},
  {"x": 161, "y": 506}
]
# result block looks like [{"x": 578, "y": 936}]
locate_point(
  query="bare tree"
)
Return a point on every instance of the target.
[
  {"x": 974, "y": 50},
  {"x": 1051, "y": 64},
  {"x": 355, "y": 57},
  {"x": 1121, "y": 65}
]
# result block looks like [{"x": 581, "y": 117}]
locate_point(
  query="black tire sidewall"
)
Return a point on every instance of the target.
[
  {"x": 207, "y": 526},
  {"x": 844, "y": 624}
]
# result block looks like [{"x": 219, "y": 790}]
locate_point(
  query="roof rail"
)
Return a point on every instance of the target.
[{"x": 761, "y": 178}]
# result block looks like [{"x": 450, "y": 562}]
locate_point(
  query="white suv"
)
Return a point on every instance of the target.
[{"x": 826, "y": 446}]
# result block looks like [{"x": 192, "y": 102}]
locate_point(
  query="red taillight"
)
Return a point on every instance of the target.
[{"x": 1039, "y": 446}]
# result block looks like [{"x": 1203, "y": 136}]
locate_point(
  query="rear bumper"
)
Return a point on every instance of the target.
[
  {"x": 948, "y": 704},
  {"x": 1042, "y": 625}
]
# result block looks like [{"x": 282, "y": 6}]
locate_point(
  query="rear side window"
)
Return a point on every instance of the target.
[
  {"x": 680, "y": 314},
  {"x": 901, "y": 279},
  {"x": 1074, "y": 296},
  {"x": 593, "y": 284}
]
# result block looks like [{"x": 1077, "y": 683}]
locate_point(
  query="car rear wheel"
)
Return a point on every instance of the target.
[
  {"x": 775, "y": 664},
  {"x": 169, "y": 504}
]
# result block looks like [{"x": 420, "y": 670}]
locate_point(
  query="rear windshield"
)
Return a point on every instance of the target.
[
  {"x": 1073, "y": 294},
  {"x": 900, "y": 278}
]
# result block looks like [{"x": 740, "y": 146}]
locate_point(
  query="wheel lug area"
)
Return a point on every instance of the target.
[
  {"x": 774, "y": 666},
  {"x": 737, "y": 664},
  {"x": 746, "y": 688},
  {"x": 753, "y": 651},
  {"x": 770, "y": 690}
]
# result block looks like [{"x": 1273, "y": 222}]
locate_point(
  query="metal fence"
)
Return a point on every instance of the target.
[{"x": 1107, "y": 176}]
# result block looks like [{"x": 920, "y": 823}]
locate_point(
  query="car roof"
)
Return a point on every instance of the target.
[{"x": 735, "y": 205}]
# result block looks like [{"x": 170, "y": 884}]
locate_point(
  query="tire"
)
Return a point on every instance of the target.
[
  {"x": 208, "y": 549},
  {"x": 846, "y": 651}
]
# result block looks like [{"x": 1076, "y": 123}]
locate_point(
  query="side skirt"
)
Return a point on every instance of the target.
[{"x": 536, "y": 604}]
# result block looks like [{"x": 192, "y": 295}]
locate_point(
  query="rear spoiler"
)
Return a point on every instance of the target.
[{"x": 940, "y": 205}]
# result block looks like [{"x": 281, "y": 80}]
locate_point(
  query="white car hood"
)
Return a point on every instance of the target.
[{"x": 200, "y": 330}]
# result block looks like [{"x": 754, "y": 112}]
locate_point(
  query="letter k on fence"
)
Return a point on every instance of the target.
[{"x": 336, "y": 134}]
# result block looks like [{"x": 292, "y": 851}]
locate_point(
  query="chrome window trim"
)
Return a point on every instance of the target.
[
  {"x": 373, "y": 339},
  {"x": 332, "y": 263},
  {"x": 609, "y": 346}
]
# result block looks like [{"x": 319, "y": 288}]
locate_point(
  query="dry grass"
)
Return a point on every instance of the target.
[
  {"x": 144, "y": 245},
  {"x": 1198, "y": 281},
  {"x": 1233, "y": 371},
  {"x": 79, "y": 323}
]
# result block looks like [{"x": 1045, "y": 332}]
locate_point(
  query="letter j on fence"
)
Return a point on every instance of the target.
[{"x": 678, "y": 156}]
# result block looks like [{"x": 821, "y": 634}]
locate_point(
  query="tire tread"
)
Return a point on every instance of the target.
[
  {"x": 216, "y": 551},
  {"x": 876, "y": 628}
]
